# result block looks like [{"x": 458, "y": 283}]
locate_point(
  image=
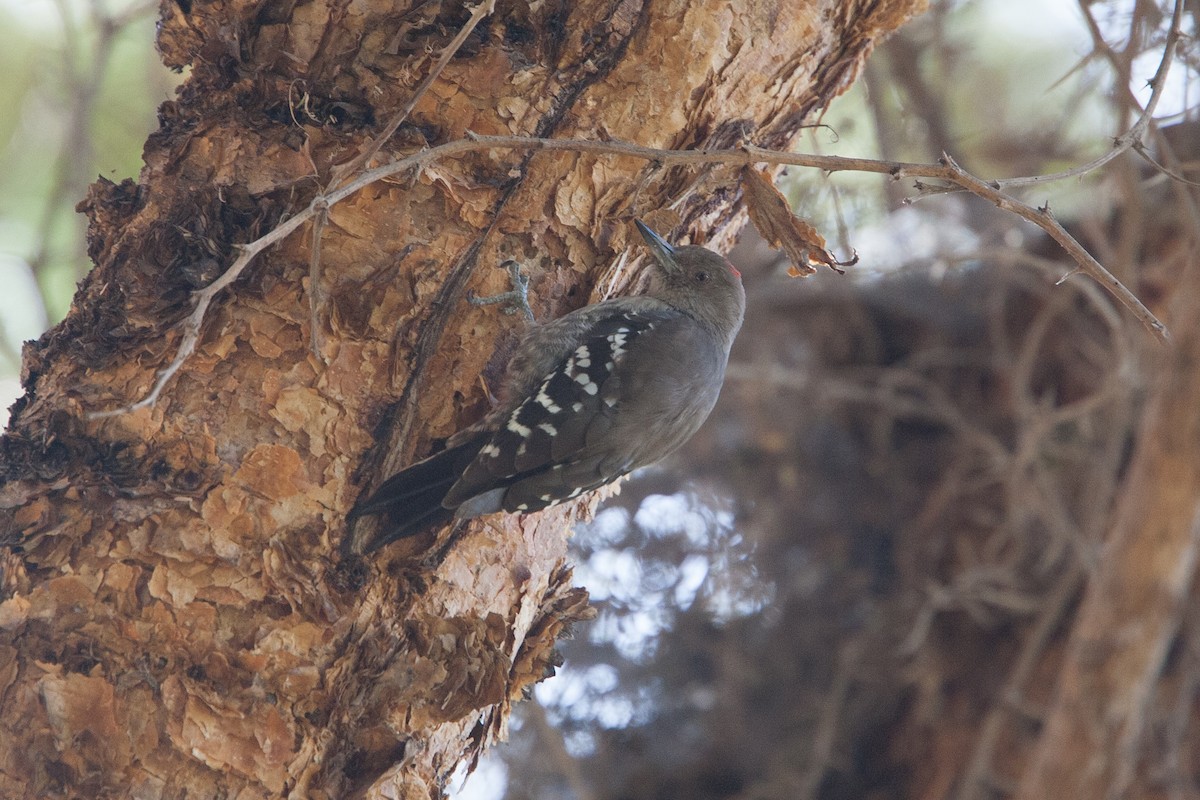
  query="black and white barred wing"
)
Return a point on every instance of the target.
[{"x": 547, "y": 450}]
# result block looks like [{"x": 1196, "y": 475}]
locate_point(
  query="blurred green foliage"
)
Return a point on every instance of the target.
[{"x": 82, "y": 82}]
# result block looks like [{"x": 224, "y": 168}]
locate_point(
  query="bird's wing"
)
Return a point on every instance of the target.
[
  {"x": 553, "y": 433},
  {"x": 653, "y": 402}
]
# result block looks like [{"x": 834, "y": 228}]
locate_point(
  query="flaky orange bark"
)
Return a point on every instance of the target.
[{"x": 175, "y": 620}]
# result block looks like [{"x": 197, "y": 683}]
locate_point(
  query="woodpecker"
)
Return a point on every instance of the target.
[{"x": 586, "y": 399}]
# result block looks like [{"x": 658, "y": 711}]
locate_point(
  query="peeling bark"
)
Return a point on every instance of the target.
[{"x": 173, "y": 619}]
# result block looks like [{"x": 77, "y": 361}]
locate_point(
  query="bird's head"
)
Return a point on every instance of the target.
[{"x": 696, "y": 281}]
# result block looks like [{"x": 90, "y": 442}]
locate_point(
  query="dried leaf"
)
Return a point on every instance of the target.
[{"x": 773, "y": 217}]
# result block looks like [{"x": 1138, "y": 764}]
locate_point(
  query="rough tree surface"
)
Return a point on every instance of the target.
[{"x": 174, "y": 619}]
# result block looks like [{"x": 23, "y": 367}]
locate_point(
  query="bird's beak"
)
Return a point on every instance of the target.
[{"x": 662, "y": 249}]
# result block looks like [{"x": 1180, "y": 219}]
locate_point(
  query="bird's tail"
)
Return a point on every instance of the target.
[{"x": 410, "y": 501}]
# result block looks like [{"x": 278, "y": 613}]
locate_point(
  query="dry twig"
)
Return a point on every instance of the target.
[
  {"x": 315, "y": 295},
  {"x": 355, "y": 165},
  {"x": 945, "y": 170}
]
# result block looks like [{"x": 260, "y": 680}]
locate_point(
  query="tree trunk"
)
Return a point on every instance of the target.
[
  {"x": 175, "y": 621},
  {"x": 1138, "y": 594}
]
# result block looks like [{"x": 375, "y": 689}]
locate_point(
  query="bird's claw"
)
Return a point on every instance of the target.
[{"x": 515, "y": 299}]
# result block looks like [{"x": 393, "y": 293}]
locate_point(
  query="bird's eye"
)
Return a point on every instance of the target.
[{"x": 701, "y": 276}]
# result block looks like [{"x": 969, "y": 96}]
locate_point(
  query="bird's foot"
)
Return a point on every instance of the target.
[{"x": 515, "y": 299}]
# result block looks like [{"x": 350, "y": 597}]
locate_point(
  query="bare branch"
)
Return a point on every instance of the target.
[
  {"x": 947, "y": 170},
  {"x": 315, "y": 296},
  {"x": 1046, "y": 221},
  {"x": 1132, "y": 138},
  {"x": 1135, "y": 135},
  {"x": 354, "y": 165},
  {"x": 204, "y": 297}
]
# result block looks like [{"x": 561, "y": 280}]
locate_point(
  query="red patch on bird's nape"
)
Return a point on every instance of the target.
[{"x": 737, "y": 272}]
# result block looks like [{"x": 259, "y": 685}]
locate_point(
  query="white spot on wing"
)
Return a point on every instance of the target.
[
  {"x": 518, "y": 428},
  {"x": 548, "y": 428},
  {"x": 546, "y": 400},
  {"x": 583, "y": 380},
  {"x": 617, "y": 340},
  {"x": 490, "y": 451},
  {"x": 582, "y": 359}
]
